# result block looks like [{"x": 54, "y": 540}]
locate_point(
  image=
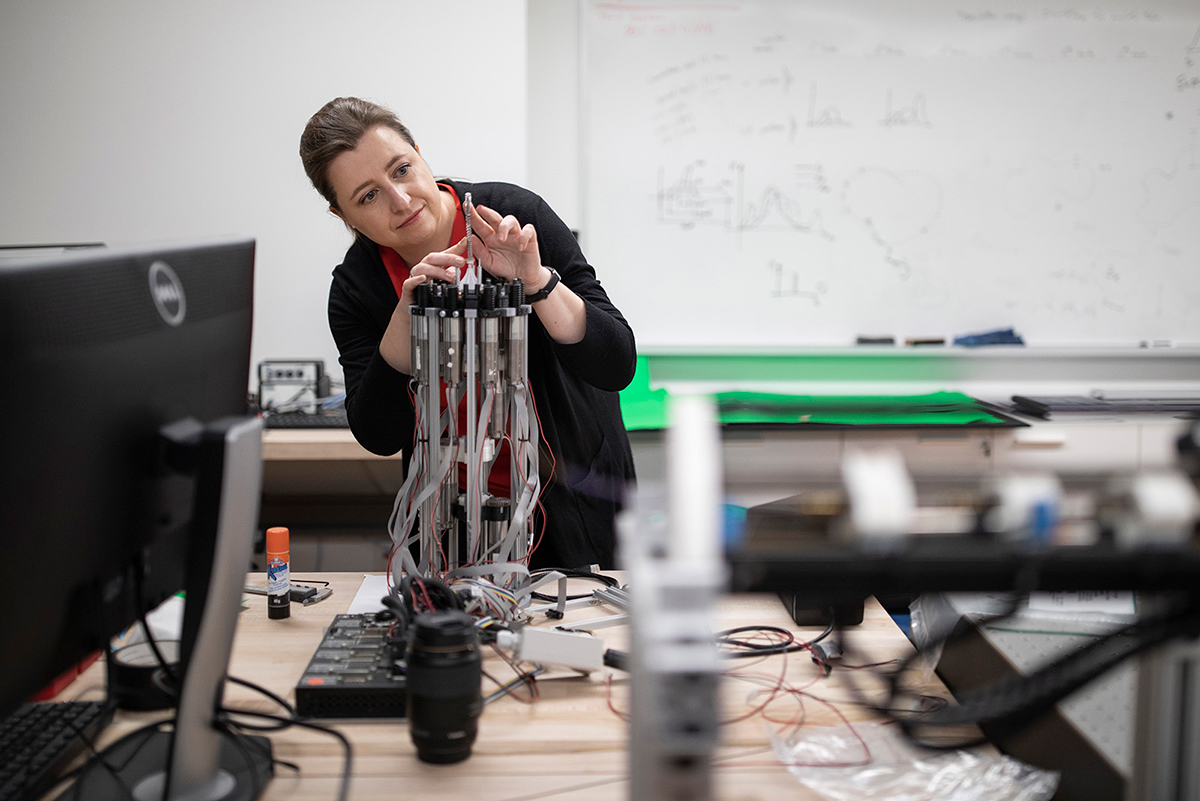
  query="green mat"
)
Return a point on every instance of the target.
[
  {"x": 641, "y": 406},
  {"x": 646, "y": 408}
]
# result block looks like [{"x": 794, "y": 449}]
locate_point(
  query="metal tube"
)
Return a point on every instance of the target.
[
  {"x": 472, "y": 452},
  {"x": 432, "y": 413},
  {"x": 490, "y": 372}
]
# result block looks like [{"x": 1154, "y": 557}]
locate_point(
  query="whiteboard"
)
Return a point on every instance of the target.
[{"x": 775, "y": 173}]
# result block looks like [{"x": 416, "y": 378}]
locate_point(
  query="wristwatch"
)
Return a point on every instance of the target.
[{"x": 545, "y": 291}]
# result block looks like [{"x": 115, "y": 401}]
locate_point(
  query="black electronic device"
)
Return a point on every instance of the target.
[
  {"x": 39, "y": 741},
  {"x": 131, "y": 472},
  {"x": 327, "y": 418},
  {"x": 292, "y": 385},
  {"x": 807, "y": 612},
  {"x": 356, "y": 672}
]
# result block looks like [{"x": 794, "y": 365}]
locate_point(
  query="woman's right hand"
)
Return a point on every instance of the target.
[{"x": 441, "y": 265}]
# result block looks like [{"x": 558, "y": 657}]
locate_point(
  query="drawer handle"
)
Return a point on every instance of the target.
[{"x": 1039, "y": 439}]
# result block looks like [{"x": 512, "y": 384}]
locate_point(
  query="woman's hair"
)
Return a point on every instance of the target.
[{"x": 337, "y": 127}]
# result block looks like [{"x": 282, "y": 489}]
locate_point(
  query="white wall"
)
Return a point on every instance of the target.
[
  {"x": 554, "y": 113},
  {"x": 134, "y": 121}
]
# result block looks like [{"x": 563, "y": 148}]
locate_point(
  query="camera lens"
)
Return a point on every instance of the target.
[{"x": 444, "y": 678}]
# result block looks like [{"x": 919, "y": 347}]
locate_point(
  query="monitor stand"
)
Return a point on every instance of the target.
[{"x": 196, "y": 760}]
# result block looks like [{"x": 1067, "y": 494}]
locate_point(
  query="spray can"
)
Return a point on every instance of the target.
[{"x": 279, "y": 583}]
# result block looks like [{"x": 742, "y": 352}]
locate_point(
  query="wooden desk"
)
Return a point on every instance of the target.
[
  {"x": 334, "y": 494},
  {"x": 568, "y": 745},
  {"x": 325, "y": 462}
]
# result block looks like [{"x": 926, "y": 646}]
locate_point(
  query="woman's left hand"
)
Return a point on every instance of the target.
[{"x": 505, "y": 248}]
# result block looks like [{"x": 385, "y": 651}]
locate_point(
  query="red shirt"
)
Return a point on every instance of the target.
[{"x": 398, "y": 271}]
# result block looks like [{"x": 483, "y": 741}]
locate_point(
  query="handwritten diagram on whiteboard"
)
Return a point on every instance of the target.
[{"x": 777, "y": 173}]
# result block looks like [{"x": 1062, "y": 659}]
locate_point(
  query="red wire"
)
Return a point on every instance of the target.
[
  {"x": 780, "y": 683},
  {"x": 866, "y": 760},
  {"x": 511, "y": 691},
  {"x": 528, "y": 677},
  {"x": 425, "y": 594},
  {"x": 541, "y": 533},
  {"x": 479, "y": 472},
  {"x": 609, "y": 701},
  {"x": 417, "y": 419},
  {"x": 541, "y": 435},
  {"x": 796, "y": 723},
  {"x": 553, "y": 466},
  {"x": 538, "y": 504},
  {"x": 520, "y": 453}
]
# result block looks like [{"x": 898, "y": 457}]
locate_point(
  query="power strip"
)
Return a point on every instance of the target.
[{"x": 356, "y": 672}]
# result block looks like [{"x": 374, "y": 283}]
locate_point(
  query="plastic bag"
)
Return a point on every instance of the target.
[{"x": 875, "y": 760}]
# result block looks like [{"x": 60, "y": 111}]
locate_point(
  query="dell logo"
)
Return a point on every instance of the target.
[{"x": 167, "y": 292}]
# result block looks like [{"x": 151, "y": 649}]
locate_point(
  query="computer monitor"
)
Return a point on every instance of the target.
[{"x": 129, "y": 471}]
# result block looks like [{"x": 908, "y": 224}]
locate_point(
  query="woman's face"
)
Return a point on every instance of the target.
[{"x": 385, "y": 191}]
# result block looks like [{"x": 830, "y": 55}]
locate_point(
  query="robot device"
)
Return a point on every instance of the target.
[{"x": 474, "y": 411}]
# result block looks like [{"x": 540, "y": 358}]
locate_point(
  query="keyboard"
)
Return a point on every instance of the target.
[
  {"x": 39, "y": 741},
  {"x": 329, "y": 419}
]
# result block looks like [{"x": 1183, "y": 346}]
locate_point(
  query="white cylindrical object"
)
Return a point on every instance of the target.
[
  {"x": 883, "y": 500},
  {"x": 1157, "y": 509},
  {"x": 696, "y": 483}
]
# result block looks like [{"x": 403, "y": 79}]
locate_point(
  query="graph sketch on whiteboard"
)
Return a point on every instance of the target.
[
  {"x": 913, "y": 115},
  {"x": 689, "y": 200},
  {"x": 692, "y": 199},
  {"x": 824, "y": 116},
  {"x": 888, "y": 208},
  {"x": 786, "y": 284},
  {"x": 772, "y": 209}
]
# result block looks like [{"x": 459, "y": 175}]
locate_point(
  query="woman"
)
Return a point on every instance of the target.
[{"x": 409, "y": 229}]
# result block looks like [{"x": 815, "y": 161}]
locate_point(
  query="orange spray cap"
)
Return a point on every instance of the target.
[{"x": 277, "y": 539}]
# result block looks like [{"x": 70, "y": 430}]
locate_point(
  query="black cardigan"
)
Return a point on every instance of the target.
[{"x": 574, "y": 386}]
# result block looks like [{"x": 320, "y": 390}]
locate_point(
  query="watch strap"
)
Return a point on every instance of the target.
[{"x": 545, "y": 291}]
